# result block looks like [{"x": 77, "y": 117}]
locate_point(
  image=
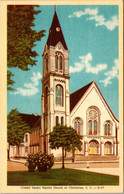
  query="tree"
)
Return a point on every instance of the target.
[
  {"x": 9, "y": 80},
  {"x": 21, "y": 38},
  {"x": 66, "y": 138},
  {"x": 16, "y": 128}
]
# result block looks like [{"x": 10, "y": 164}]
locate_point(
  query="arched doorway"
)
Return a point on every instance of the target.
[
  {"x": 108, "y": 148},
  {"x": 93, "y": 147}
]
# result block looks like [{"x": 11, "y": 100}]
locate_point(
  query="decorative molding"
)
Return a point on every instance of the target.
[{"x": 59, "y": 80}]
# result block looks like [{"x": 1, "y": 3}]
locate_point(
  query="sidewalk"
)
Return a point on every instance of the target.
[
  {"x": 109, "y": 171},
  {"x": 98, "y": 167}
]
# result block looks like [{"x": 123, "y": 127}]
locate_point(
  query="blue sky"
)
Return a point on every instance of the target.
[{"x": 91, "y": 34}]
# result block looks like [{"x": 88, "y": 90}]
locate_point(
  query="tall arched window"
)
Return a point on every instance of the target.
[
  {"x": 108, "y": 128},
  {"x": 57, "y": 120},
  {"x": 56, "y": 62},
  {"x": 46, "y": 57},
  {"x": 62, "y": 121},
  {"x": 93, "y": 121},
  {"x": 59, "y": 62},
  {"x": 95, "y": 127},
  {"x": 26, "y": 138},
  {"x": 78, "y": 124},
  {"x": 90, "y": 127},
  {"x": 59, "y": 95},
  {"x": 46, "y": 98}
]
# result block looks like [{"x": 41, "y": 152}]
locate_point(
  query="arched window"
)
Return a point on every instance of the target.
[
  {"x": 75, "y": 125},
  {"x": 46, "y": 98},
  {"x": 59, "y": 95},
  {"x": 26, "y": 138},
  {"x": 93, "y": 121},
  {"x": 58, "y": 62},
  {"x": 78, "y": 123},
  {"x": 57, "y": 120},
  {"x": 62, "y": 121},
  {"x": 95, "y": 127},
  {"x": 108, "y": 128},
  {"x": 90, "y": 127},
  {"x": 46, "y": 57}
]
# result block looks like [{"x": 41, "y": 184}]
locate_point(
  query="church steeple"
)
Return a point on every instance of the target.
[
  {"x": 55, "y": 82},
  {"x": 55, "y": 33}
]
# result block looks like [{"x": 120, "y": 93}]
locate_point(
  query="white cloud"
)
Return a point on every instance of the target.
[
  {"x": 36, "y": 78},
  {"x": 86, "y": 64},
  {"x": 88, "y": 11},
  {"x": 29, "y": 89},
  {"x": 99, "y": 19},
  {"x": 113, "y": 73}
]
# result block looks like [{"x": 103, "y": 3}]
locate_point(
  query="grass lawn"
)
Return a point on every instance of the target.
[{"x": 60, "y": 177}]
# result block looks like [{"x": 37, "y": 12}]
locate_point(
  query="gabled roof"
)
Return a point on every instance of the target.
[
  {"x": 55, "y": 33},
  {"x": 77, "y": 95},
  {"x": 30, "y": 119}
]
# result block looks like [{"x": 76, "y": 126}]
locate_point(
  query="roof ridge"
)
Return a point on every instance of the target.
[
  {"x": 77, "y": 95},
  {"x": 30, "y": 114},
  {"x": 82, "y": 87}
]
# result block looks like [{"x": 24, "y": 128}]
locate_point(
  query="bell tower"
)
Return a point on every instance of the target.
[{"x": 55, "y": 82}]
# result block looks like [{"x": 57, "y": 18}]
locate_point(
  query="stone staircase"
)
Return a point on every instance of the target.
[{"x": 96, "y": 158}]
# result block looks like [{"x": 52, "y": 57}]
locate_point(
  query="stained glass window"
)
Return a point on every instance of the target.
[
  {"x": 107, "y": 128},
  {"x": 90, "y": 127},
  {"x": 95, "y": 127}
]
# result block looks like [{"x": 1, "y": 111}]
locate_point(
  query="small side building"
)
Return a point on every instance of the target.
[{"x": 24, "y": 147}]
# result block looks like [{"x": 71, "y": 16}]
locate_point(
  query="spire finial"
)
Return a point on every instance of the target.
[{"x": 55, "y": 8}]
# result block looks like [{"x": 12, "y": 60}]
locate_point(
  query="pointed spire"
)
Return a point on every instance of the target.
[{"x": 55, "y": 33}]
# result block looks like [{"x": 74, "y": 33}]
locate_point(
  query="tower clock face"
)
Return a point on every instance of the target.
[
  {"x": 57, "y": 29},
  {"x": 93, "y": 114}
]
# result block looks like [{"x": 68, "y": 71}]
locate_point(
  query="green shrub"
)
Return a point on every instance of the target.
[
  {"x": 31, "y": 162},
  {"x": 41, "y": 160}
]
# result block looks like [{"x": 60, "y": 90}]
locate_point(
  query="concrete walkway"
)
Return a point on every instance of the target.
[
  {"x": 18, "y": 165},
  {"x": 109, "y": 171}
]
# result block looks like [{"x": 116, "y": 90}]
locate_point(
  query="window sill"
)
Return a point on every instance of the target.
[{"x": 97, "y": 136}]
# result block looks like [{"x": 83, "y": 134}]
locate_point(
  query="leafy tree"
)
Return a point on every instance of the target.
[
  {"x": 21, "y": 38},
  {"x": 9, "y": 80},
  {"x": 66, "y": 138},
  {"x": 16, "y": 128}
]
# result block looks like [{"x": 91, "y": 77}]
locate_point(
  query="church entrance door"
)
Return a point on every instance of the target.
[
  {"x": 108, "y": 148},
  {"x": 93, "y": 147},
  {"x": 92, "y": 150}
]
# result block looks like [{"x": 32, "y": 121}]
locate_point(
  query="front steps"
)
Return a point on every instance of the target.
[{"x": 96, "y": 158}]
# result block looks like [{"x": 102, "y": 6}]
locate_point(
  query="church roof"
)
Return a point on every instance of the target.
[
  {"x": 55, "y": 33},
  {"x": 77, "y": 95},
  {"x": 30, "y": 119}
]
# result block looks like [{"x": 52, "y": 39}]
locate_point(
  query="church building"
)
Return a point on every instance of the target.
[{"x": 86, "y": 110}]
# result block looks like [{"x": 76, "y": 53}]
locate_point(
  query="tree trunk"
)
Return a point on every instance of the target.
[
  {"x": 7, "y": 154},
  {"x": 73, "y": 155},
  {"x": 63, "y": 157},
  {"x": 8, "y": 151}
]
